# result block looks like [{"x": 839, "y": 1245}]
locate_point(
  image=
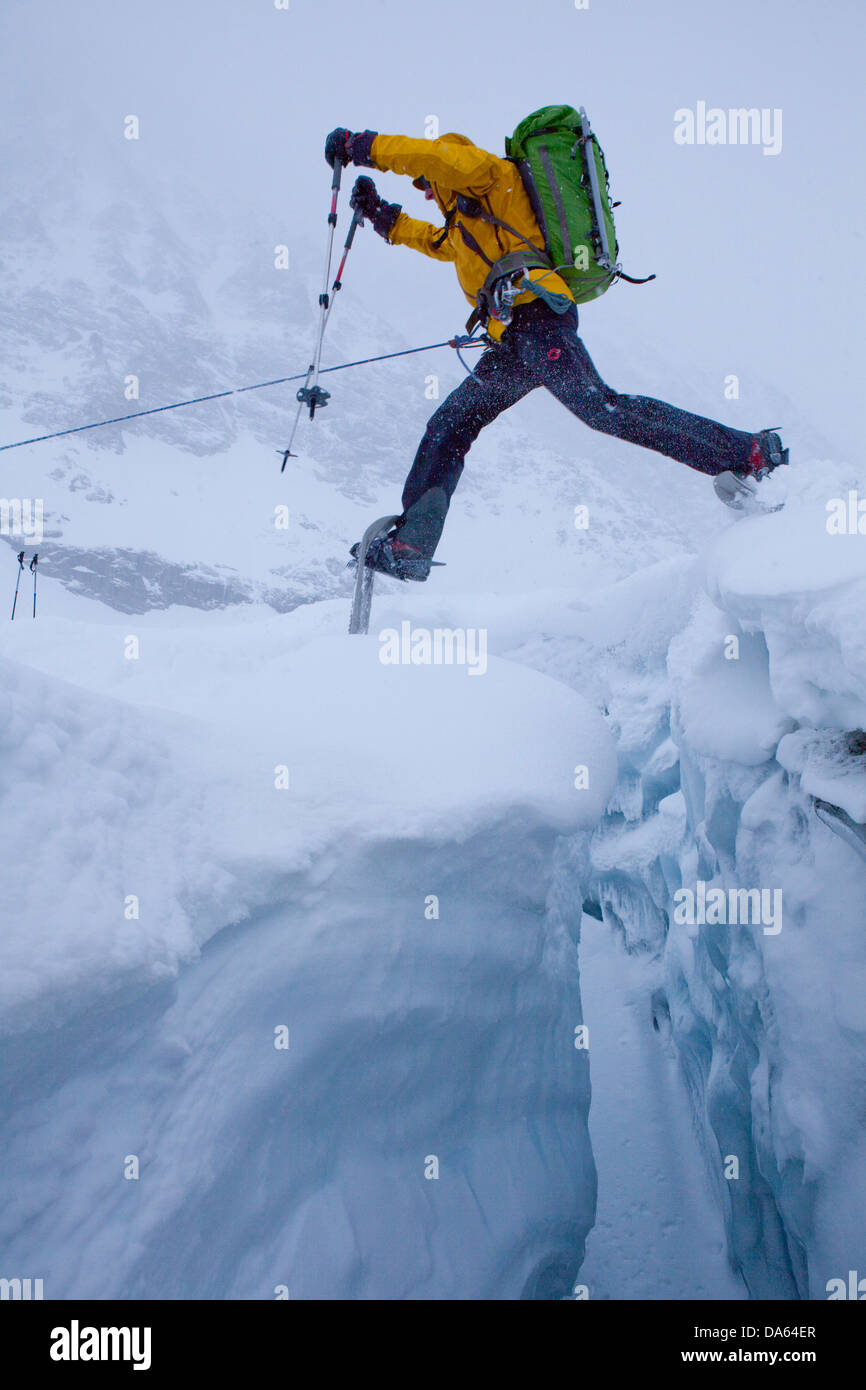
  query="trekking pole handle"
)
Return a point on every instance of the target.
[{"x": 335, "y": 188}]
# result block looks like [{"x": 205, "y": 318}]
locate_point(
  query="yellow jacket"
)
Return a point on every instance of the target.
[{"x": 453, "y": 165}]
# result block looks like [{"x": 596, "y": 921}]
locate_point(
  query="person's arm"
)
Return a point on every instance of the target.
[
  {"x": 392, "y": 223},
  {"x": 421, "y": 236},
  {"x": 462, "y": 168}
]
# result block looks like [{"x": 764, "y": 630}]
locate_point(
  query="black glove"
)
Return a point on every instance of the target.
[
  {"x": 364, "y": 197},
  {"x": 345, "y": 147},
  {"x": 380, "y": 214},
  {"x": 337, "y": 146}
]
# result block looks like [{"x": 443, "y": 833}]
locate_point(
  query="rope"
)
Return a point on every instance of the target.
[{"x": 221, "y": 395}]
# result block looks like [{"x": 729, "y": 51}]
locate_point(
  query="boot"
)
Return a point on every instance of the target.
[
  {"x": 421, "y": 525},
  {"x": 766, "y": 454},
  {"x": 388, "y": 555}
]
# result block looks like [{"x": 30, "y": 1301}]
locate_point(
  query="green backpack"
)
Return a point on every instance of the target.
[{"x": 563, "y": 169}]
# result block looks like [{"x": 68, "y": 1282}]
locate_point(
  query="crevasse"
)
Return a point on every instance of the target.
[{"x": 734, "y": 729}]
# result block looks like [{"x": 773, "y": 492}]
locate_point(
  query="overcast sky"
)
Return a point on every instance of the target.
[{"x": 759, "y": 257}]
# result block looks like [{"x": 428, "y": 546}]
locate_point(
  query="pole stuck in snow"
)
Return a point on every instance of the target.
[{"x": 18, "y": 581}]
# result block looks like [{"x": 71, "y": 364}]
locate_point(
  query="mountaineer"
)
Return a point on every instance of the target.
[{"x": 528, "y": 305}]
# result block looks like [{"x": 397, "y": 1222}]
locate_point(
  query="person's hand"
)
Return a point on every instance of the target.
[
  {"x": 350, "y": 147},
  {"x": 365, "y": 198},
  {"x": 338, "y": 146},
  {"x": 379, "y": 214}
]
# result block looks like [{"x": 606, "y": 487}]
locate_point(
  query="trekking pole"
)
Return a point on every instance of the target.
[
  {"x": 314, "y": 395},
  {"x": 18, "y": 580},
  {"x": 33, "y": 565},
  {"x": 324, "y": 297},
  {"x": 356, "y": 222}
]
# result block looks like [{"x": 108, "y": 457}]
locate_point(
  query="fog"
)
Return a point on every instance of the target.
[{"x": 759, "y": 256}]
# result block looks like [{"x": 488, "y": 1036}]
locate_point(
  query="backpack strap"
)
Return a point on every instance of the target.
[
  {"x": 506, "y": 265},
  {"x": 621, "y": 275},
  {"x": 473, "y": 207},
  {"x": 556, "y": 195},
  {"x": 553, "y": 300},
  {"x": 469, "y": 240}
]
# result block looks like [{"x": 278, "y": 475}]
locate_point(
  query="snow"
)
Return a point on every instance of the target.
[
  {"x": 658, "y": 1233},
  {"x": 304, "y": 907},
  {"x": 307, "y": 907},
  {"x": 829, "y": 766},
  {"x": 305, "y": 1167},
  {"x": 722, "y": 689},
  {"x": 102, "y": 791},
  {"x": 769, "y": 1027},
  {"x": 804, "y": 587}
]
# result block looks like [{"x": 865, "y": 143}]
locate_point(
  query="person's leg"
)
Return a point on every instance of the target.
[
  {"x": 499, "y": 381},
  {"x": 704, "y": 444}
]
